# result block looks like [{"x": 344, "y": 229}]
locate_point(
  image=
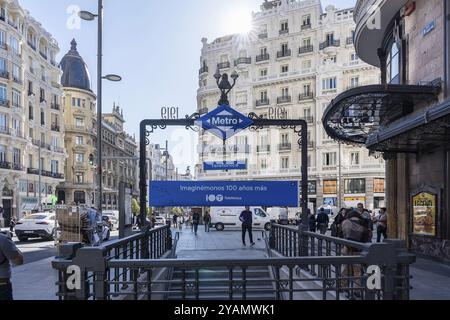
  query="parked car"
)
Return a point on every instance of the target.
[
  {"x": 39, "y": 225},
  {"x": 113, "y": 220},
  {"x": 228, "y": 217}
]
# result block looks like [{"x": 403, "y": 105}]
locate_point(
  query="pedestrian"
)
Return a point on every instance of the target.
[
  {"x": 322, "y": 221},
  {"x": 381, "y": 221},
  {"x": 207, "y": 220},
  {"x": 336, "y": 227},
  {"x": 12, "y": 224},
  {"x": 312, "y": 222},
  {"x": 175, "y": 220},
  {"x": 284, "y": 217},
  {"x": 9, "y": 253},
  {"x": 195, "y": 221},
  {"x": 365, "y": 214},
  {"x": 246, "y": 218}
]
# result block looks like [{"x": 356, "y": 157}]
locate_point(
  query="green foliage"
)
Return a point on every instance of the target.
[{"x": 135, "y": 208}]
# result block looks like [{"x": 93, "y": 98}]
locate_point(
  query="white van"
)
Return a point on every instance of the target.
[{"x": 228, "y": 218}]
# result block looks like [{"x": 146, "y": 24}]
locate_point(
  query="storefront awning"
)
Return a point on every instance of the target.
[
  {"x": 358, "y": 113},
  {"x": 419, "y": 132}
]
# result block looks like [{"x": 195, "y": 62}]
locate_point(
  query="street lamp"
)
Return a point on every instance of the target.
[{"x": 89, "y": 16}]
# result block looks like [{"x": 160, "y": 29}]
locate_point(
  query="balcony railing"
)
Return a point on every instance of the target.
[
  {"x": 284, "y": 53},
  {"x": 284, "y": 146},
  {"x": 55, "y": 127},
  {"x": 284, "y": 31},
  {"x": 263, "y": 148},
  {"x": 5, "y": 165},
  {"x": 5, "y": 130},
  {"x": 330, "y": 43},
  {"x": 57, "y": 149},
  {"x": 33, "y": 171},
  {"x": 203, "y": 69},
  {"x": 4, "y": 103},
  {"x": 306, "y": 49},
  {"x": 17, "y": 167},
  {"x": 306, "y": 96},
  {"x": 350, "y": 40},
  {"x": 242, "y": 60},
  {"x": 260, "y": 103},
  {"x": 3, "y": 46},
  {"x": 12, "y": 24},
  {"x": 16, "y": 105},
  {"x": 32, "y": 45},
  {"x": 4, "y": 74},
  {"x": 306, "y": 26},
  {"x": 17, "y": 80},
  {"x": 262, "y": 57},
  {"x": 223, "y": 65},
  {"x": 262, "y": 35},
  {"x": 43, "y": 55},
  {"x": 55, "y": 106},
  {"x": 284, "y": 99},
  {"x": 56, "y": 85},
  {"x": 30, "y": 93}
]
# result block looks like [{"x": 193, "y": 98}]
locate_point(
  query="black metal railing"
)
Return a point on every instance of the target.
[
  {"x": 4, "y": 74},
  {"x": 262, "y": 35},
  {"x": 17, "y": 167},
  {"x": 55, "y": 106},
  {"x": 203, "y": 69},
  {"x": 3, "y": 46},
  {"x": 306, "y": 26},
  {"x": 4, "y": 103},
  {"x": 32, "y": 45},
  {"x": 17, "y": 80},
  {"x": 306, "y": 96},
  {"x": 43, "y": 55},
  {"x": 55, "y": 127},
  {"x": 260, "y": 103},
  {"x": 349, "y": 277},
  {"x": 223, "y": 65},
  {"x": 5, "y": 130},
  {"x": 284, "y": 31},
  {"x": 330, "y": 43},
  {"x": 306, "y": 49},
  {"x": 350, "y": 40},
  {"x": 284, "y": 99},
  {"x": 284, "y": 53},
  {"x": 262, "y": 57},
  {"x": 263, "y": 148},
  {"x": 242, "y": 60},
  {"x": 284, "y": 146},
  {"x": 100, "y": 284},
  {"x": 33, "y": 171},
  {"x": 5, "y": 165}
]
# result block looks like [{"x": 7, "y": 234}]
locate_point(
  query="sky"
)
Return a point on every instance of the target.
[{"x": 155, "y": 46}]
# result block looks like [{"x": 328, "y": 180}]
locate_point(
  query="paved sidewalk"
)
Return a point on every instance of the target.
[{"x": 431, "y": 280}]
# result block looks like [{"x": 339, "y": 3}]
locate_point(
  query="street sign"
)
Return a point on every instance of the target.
[
  {"x": 223, "y": 193},
  {"x": 225, "y": 165},
  {"x": 220, "y": 149},
  {"x": 224, "y": 122}
]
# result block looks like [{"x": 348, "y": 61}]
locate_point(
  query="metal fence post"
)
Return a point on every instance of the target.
[
  {"x": 272, "y": 236},
  {"x": 91, "y": 260},
  {"x": 384, "y": 255}
]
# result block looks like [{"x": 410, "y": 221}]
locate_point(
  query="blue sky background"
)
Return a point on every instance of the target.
[{"x": 154, "y": 45}]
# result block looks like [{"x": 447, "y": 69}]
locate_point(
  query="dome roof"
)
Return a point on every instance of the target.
[{"x": 75, "y": 71}]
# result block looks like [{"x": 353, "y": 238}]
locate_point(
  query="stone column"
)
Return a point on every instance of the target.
[
  {"x": 391, "y": 197},
  {"x": 403, "y": 197}
]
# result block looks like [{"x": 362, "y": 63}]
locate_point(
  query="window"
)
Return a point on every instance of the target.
[
  {"x": 76, "y": 102},
  {"x": 16, "y": 156},
  {"x": 378, "y": 186},
  {"x": 55, "y": 142},
  {"x": 3, "y": 67},
  {"x": 79, "y": 177},
  {"x": 284, "y": 49},
  {"x": 284, "y": 69},
  {"x": 3, "y": 154},
  {"x": 16, "y": 98},
  {"x": 285, "y": 92},
  {"x": 16, "y": 72},
  {"x": 306, "y": 64},
  {"x": 307, "y": 89},
  {"x": 263, "y": 164},
  {"x": 259, "y": 213},
  {"x": 354, "y": 82},
  {"x": 285, "y": 139},
  {"x": 3, "y": 93},
  {"x": 79, "y": 122},
  {"x": 284, "y": 26},
  {"x": 306, "y": 20},
  {"x": 42, "y": 164},
  {"x": 42, "y": 95},
  {"x": 14, "y": 44},
  {"x": 285, "y": 163},
  {"x": 353, "y": 186},
  {"x": 263, "y": 96},
  {"x": 307, "y": 42},
  {"x": 329, "y": 186},
  {"x": 354, "y": 57},
  {"x": 3, "y": 122},
  {"x": 54, "y": 166},
  {"x": 329, "y": 159},
  {"x": 30, "y": 87},
  {"x": 329, "y": 83},
  {"x": 393, "y": 65},
  {"x": 16, "y": 126},
  {"x": 2, "y": 37},
  {"x": 79, "y": 157},
  {"x": 263, "y": 72},
  {"x": 307, "y": 113},
  {"x": 263, "y": 51},
  {"x": 42, "y": 117},
  {"x": 30, "y": 161},
  {"x": 354, "y": 158},
  {"x": 330, "y": 38}
]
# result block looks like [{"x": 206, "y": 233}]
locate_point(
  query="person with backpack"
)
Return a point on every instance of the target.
[
  {"x": 9, "y": 253},
  {"x": 322, "y": 221},
  {"x": 381, "y": 222}
]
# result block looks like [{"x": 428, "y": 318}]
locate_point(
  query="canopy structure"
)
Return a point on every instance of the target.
[{"x": 360, "y": 112}]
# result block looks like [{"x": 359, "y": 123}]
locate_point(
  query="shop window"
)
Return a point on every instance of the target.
[{"x": 353, "y": 186}]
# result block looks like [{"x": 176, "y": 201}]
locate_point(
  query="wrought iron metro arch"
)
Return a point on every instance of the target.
[{"x": 298, "y": 125}]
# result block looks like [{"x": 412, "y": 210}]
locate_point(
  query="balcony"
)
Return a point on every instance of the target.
[
  {"x": 43, "y": 55},
  {"x": 30, "y": 93},
  {"x": 55, "y": 106},
  {"x": 284, "y": 99},
  {"x": 17, "y": 80},
  {"x": 4, "y": 74},
  {"x": 3, "y": 46},
  {"x": 57, "y": 149},
  {"x": 284, "y": 53},
  {"x": 33, "y": 171},
  {"x": 263, "y": 35},
  {"x": 56, "y": 85},
  {"x": 13, "y": 24},
  {"x": 349, "y": 40},
  {"x": 330, "y": 43},
  {"x": 284, "y": 147},
  {"x": 5, "y": 165},
  {"x": 32, "y": 45},
  {"x": 17, "y": 167},
  {"x": 16, "y": 105},
  {"x": 42, "y": 99},
  {"x": 262, "y": 57},
  {"x": 203, "y": 70},
  {"x": 5, "y": 130},
  {"x": 306, "y": 96},
  {"x": 284, "y": 31},
  {"x": 55, "y": 127},
  {"x": 260, "y": 103},
  {"x": 242, "y": 60},
  {"x": 4, "y": 103},
  {"x": 223, "y": 65},
  {"x": 306, "y": 49},
  {"x": 53, "y": 63},
  {"x": 263, "y": 148},
  {"x": 306, "y": 26}
]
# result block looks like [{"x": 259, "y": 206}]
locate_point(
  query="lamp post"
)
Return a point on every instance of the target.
[{"x": 88, "y": 16}]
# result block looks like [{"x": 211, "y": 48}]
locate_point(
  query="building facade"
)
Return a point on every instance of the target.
[
  {"x": 297, "y": 59},
  {"x": 31, "y": 126},
  {"x": 80, "y": 118},
  {"x": 407, "y": 118}
]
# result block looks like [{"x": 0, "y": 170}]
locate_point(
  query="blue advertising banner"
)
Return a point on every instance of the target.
[
  {"x": 225, "y": 165},
  {"x": 223, "y": 193}
]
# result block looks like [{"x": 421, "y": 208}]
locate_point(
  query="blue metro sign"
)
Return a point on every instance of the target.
[{"x": 224, "y": 122}]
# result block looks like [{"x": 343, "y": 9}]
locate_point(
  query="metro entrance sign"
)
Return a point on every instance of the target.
[
  {"x": 225, "y": 165},
  {"x": 224, "y": 122}
]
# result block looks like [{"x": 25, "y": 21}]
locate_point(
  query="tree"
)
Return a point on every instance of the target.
[{"x": 135, "y": 208}]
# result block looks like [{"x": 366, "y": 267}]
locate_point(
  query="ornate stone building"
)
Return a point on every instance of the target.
[
  {"x": 31, "y": 124},
  {"x": 295, "y": 61}
]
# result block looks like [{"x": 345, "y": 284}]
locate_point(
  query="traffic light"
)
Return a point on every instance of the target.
[{"x": 91, "y": 159}]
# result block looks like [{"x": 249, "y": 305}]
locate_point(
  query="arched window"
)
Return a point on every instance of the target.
[{"x": 393, "y": 64}]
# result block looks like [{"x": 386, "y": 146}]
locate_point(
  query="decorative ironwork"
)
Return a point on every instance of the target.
[
  {"x": 195, "y": 116},
  {"x": 253, "y": 116}
]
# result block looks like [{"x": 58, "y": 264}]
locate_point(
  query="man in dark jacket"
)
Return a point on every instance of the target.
[
  {"x": 247, "y": 222},
  {"x": 9, "y": 253},
  {"x": 322, "y": 221},
  {"x": 195, "y": 221}
]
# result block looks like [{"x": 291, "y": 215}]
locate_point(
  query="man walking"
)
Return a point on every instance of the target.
[
  {"x": 247, "y": 222},
  {"x": 381, "y": 221},
  {"x": 195, "y": 221},
  {"x": 8, "y": 254},
  {"x": 207, "y": 221},
  {"x": 322, "y": 221},
  {"x": 175, "y": 220}
]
